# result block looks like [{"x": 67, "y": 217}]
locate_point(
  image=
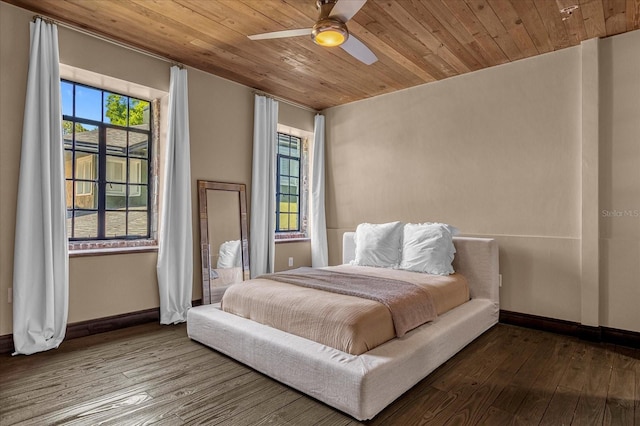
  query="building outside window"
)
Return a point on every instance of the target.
[{"x": 108, "y": 168}]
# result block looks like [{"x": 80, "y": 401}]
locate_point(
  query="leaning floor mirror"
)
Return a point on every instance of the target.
[{"x": 224, "y": 241}]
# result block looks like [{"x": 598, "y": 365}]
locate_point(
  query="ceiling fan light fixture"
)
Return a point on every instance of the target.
[{"x": 329, "y": 32}]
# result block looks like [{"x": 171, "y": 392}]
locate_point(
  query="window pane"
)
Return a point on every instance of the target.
[
  {"x": 116, "y": 224},
  {"x": 138, "y": 197},
  {"x": 293, "y": 186},
  {"x": 87, "y": 137},
  {"x": 284, "y": 185},
  {"x": 138, "y": 223},
  {"x": 294, "y": 167},
  {"x": 116, "y": 109},
  {"x": 284, "y": 222},
  {"x": 138, "y": 144},
  {"x": 68, "y": 164},
  {"x": 293, "y": 204},
  {"x": 67, "y": 133},
  {"x": 66, "y": 92},
  {"x": 68, "y": 191},
  {"x": 69, "y": 224},
  {"x": 86, "y": 195},
  {"x": 86, "y": 166},
  {"x": 293, "y": 222},
  {"x": 85, "y": 224},
  {"x": 295, "y": 147},
  {"x": 116, "y": 169},
  {"x": 283, "y": 148},
  {"x": 137, "y": 171},
  {"x": 284, "y": 166},
  {"x": 139, "y": 112},
  {"x": 116, "y": 196},
  {"x": 88, "y": 103},
  {"x": 116, "y": 141}
]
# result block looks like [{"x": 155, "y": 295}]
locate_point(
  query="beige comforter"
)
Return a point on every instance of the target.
[{"x": 348, "y": 323}]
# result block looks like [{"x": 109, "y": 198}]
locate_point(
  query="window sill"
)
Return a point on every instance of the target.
[
  {"x": 108, "y": 251},
  {"x": 292, "y": 240},
  {"x": 100, "y": 248}
]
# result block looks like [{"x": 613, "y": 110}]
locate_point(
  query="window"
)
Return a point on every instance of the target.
[
  {"x": 288, "y": 183},
  {"x": 291, "y": 185},
  {"x": 108, "y": 152}
]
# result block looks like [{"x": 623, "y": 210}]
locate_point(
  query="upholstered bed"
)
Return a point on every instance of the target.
[{"x": 361, "y": 385}]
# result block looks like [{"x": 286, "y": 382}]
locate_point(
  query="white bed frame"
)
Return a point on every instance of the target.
[{"x": 361, "y": 385}]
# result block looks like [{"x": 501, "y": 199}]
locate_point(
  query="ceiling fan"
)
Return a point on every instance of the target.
[{"x": 330, "y": 30}]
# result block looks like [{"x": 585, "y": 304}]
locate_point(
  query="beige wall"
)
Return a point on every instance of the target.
[
  {"x": 620, "y": 181},
  {"x": 300, "y": 251},
  {"x": 221, "y": 129},
  {"x": 498, "y": 153}
]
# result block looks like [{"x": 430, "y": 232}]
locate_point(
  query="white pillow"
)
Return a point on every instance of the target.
[
  {"x": 378, "y": 244},
  {"x": 230, "y": 254},
  {"x": 428, "y": 248}
]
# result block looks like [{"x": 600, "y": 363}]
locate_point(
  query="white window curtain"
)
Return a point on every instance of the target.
[
  {"x": 263, "y": 186},
  {"x": 41, "y": 258},
  {"x": 175, "y": 254},
  {"x": 317, "y": 220}
]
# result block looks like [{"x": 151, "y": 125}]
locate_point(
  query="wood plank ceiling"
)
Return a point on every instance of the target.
[{"x": 416, "y": 41}]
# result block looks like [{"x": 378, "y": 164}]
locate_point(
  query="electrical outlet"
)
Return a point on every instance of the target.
[
  {"x": 291, "y": 261},
  {"x": 10, "y": 294},
  {"x": 500, "y": 276}
]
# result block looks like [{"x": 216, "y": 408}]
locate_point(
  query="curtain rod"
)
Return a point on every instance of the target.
[
  {"x": 283, "y": 100},
  {"x": 108, "y": 40}
]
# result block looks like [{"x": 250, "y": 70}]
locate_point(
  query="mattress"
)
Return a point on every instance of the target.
[{"x": 351, "y": 324}]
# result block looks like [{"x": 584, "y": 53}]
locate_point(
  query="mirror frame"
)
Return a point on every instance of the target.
[{"x": 205, "y": 249}]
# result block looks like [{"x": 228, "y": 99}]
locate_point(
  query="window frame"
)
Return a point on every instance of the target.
[
  {"x": 303, "y": 197},
  {"x": 104, "y": 155},
  {"x": 280, "y": 175}
]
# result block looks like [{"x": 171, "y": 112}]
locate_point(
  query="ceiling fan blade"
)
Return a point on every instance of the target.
[
  {"x": 345, "y": 9},
  {"x": 281, "y": 34},
  {"x": 359, "y": 50}
]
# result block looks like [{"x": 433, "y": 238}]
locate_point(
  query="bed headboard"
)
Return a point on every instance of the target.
[{"x": 476, "y": 259}]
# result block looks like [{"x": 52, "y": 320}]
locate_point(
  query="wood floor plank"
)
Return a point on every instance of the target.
[
  {"x": 302, "y": 411},
  {"x": 561, "y": 408},
  {"x": 156, "y": 374},
  {"x": 636, "y": 417},
  {"x": 202, "y": 391},
  {"x": 543, "y": 388},
  {"x": 336, "y": 419},
  {"x": 425, "y": 405},
  {"x": 496, "y": 417},
  {"x": 73, "y": 383},
  {"x": 93, "y": 360},
  {"x": 471, "y": 411},
  {"x": 250, "y": 413},
  {"x": 625, "y": 358},
  {"x": 575, "y": 376},
  {"x": 255, "y": 390},
  {"x": 513, "y": 394},
  {"x": 592, "y": 401},
  {"x": 620, "y": 398}
]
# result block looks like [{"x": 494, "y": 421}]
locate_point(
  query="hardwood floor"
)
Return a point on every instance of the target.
[{"x": 155, "y": 374}]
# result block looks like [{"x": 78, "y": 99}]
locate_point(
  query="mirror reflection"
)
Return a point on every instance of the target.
[{"x": 223, "y": 235}]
